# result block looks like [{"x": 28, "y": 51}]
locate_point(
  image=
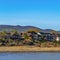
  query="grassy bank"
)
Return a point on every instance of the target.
[{"x": 28, "y": 49}]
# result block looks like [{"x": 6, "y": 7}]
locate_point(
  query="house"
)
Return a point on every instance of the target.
[
  {"x": 33, "y": 35},
  {"x": 47, "y": 36},
  {"x": 57, "y": 37},
  {"x": 14, "y": 36},
  {"x": 39, "y": 36}
]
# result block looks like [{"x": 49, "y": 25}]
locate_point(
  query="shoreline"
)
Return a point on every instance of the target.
[{"x": 28, "y": 49}]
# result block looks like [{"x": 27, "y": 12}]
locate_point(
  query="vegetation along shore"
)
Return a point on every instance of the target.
[{"x": 30, "y": 40}]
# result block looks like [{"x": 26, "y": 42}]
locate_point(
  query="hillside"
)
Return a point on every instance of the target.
[{"x": 19, "y": 28}]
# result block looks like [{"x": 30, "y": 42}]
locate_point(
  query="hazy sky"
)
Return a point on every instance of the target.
[{"x": 39, "y": 13}]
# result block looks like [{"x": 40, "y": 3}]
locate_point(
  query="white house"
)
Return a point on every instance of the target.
[{"x": 57, "y": 39}]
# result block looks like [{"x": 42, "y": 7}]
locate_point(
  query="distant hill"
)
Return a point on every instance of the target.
[
  {"x": 9, "y": 28},
  {"x": 19, "y": 28}
]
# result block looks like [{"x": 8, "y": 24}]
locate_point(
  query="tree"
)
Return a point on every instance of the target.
[{"x": 26, "y": 36}]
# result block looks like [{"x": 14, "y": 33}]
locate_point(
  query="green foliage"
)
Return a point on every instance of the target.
[
  {"x": 42, "y": 41},
  {"x": 26, "y": 36},
  {"x": 14, "y": 31}
]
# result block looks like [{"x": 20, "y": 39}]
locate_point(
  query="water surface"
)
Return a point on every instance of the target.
[{"x": 30, "y": 56}]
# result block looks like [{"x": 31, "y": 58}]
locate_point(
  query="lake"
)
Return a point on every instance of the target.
[{"x": 30, "y": 56}]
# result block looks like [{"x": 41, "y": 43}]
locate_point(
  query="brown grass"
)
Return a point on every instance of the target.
[{"x": 28, "y": 49}]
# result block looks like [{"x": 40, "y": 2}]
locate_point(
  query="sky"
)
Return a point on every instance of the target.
[{"x": 44, "y": 14}]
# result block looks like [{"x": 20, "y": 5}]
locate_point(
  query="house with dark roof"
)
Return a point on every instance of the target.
[
  {"x": 34, "y": 35},
  {"x": 47, "y": 36}
]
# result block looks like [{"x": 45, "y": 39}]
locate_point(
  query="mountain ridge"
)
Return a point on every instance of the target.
[{"x": 23, "y": 28}]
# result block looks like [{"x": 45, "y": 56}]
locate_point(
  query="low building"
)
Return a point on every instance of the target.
[
  {"x": 58, "y": 37},
  {"x": 47, "y": 36},
  {"x": 33, "y": 35}
]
